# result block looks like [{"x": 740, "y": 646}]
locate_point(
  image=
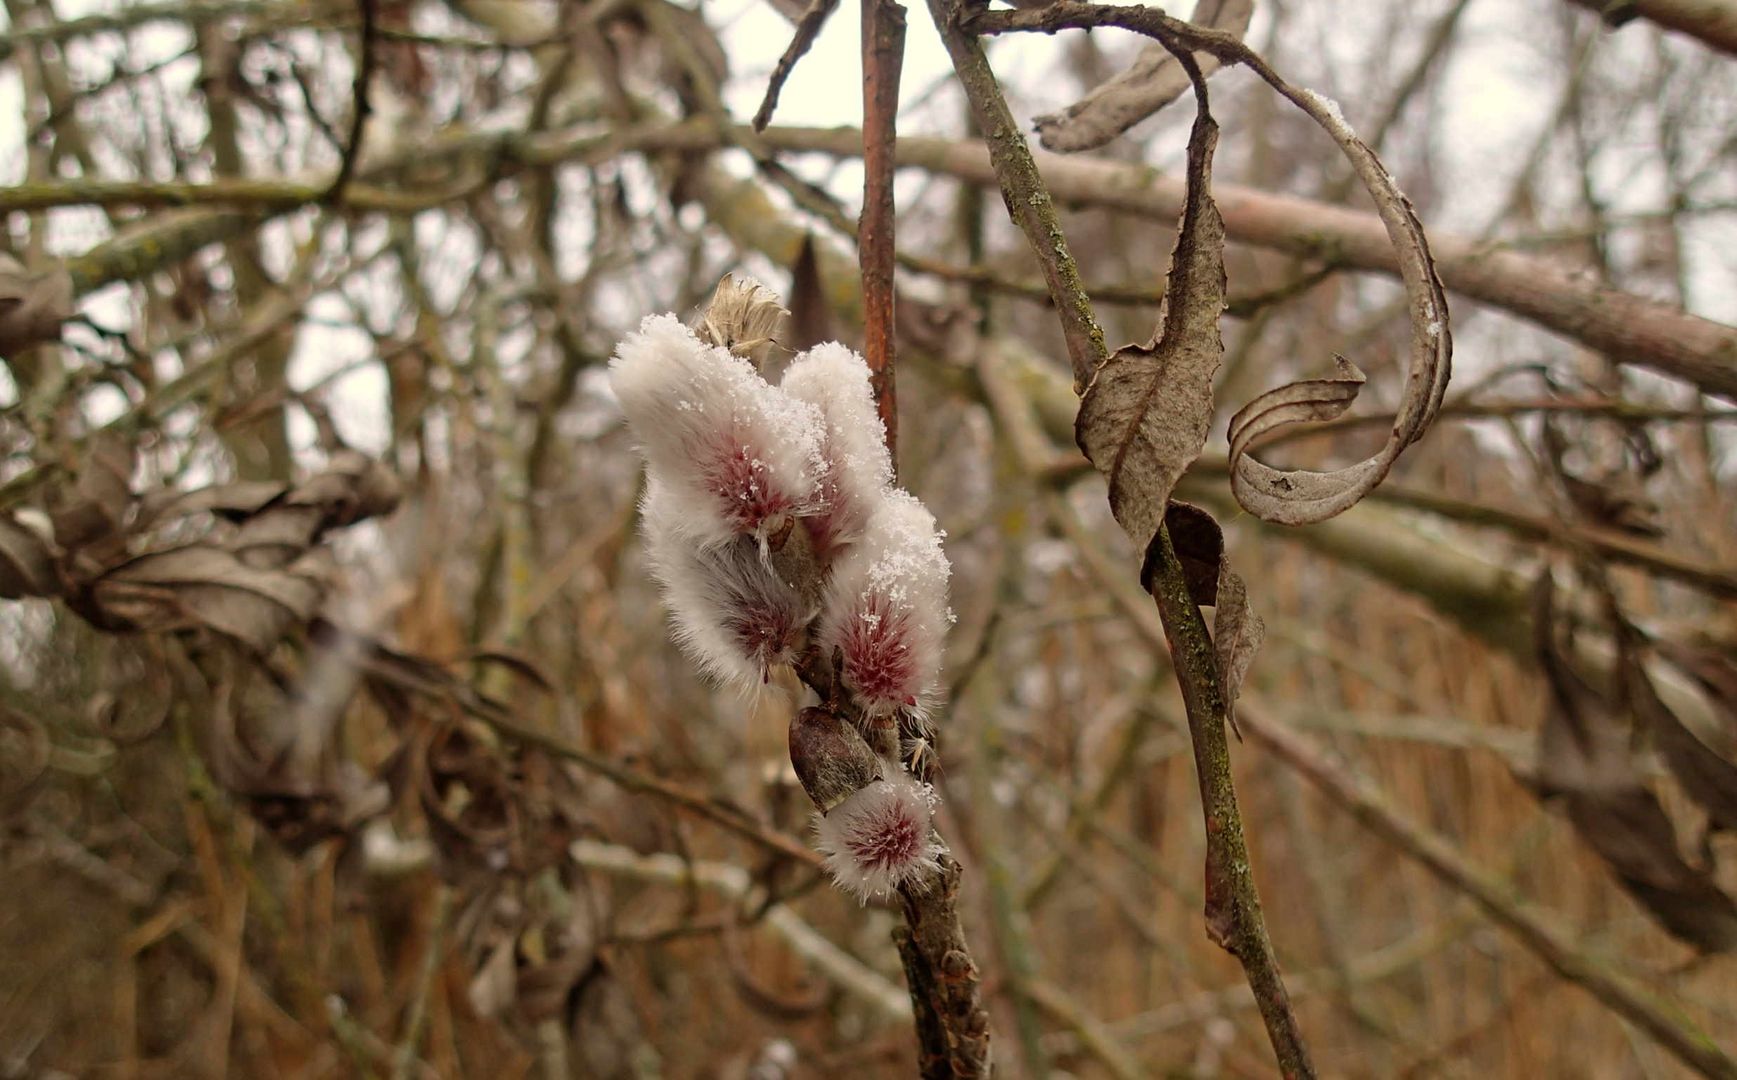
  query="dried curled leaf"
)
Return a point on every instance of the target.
[
  {"x": 1145, "y": 414},
  {"x": 203, "y": 585},
  {"x": 1303, "y": 497},
  {"x": 1154, "y": 80},
  {"x": 1584, "y": 760},
  {"x": 32, "y": 306}
]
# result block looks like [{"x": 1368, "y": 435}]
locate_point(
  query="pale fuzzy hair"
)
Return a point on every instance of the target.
[
  {"x": 738, "y": 455},
  {"x": 886, "y": 609},
  {"x": 855, "y": 465},
  {"x": 882, "y": 836},
  {"x": 731, "y": 612}
]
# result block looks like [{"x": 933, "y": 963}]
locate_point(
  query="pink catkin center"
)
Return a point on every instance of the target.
[
  {"x": 889, "y": 841},
  {"x": 877, "y": 655},
  {"x": 742, "y": 482},
  {"x": 763, "y": 631}
]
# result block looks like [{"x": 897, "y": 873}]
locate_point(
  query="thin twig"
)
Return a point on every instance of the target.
[
  {"x": 883, "y": 54},
  {"x": 807, "y": 30},
  {"x": 359, "y": 115}
]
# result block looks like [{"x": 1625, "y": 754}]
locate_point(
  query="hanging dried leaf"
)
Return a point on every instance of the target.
[
  {"x": 1303, "y": 497},
  {"x": 100, "y": 500},
  {"x": 1154, "y": 80},
  {"x": 1145, "y": 414},
  {"x": 1614, "y": 498},
  {"x": 26, "y": 556},
  {"x": 1199, "y": 544},
  {"x": 1584, "y": 760},
  {"x": 32, "y": 306},
  {"x": 202, "y": 585},
  {"x": 1237, "y": 633}
]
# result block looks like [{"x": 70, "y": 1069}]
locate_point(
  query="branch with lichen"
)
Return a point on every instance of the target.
[{"x": 1233, "y": 908}]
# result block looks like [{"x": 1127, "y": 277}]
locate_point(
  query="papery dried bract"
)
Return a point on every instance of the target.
[
  {"x": 886, "y": 608},
  {"x": 736, "y": 454},
  {"x": 855, "y": 466},
  {"x": 733, "y": 613},
  {"x": 881, "y": 837}
]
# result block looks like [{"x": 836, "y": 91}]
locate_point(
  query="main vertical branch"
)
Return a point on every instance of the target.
[
  {"x": 883, "y": 54},
  {"x": 1233, "y": 908}
]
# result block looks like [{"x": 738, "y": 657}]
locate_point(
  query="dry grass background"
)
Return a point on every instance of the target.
[{"x": 154, "y": 923}]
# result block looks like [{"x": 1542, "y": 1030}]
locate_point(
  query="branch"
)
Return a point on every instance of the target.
[
  {"x": 1554, "y": 294},
  {"x": 735, "y": 883},
  {"x": 352, "y": 148},
  {"x": 1533, "y": 930},
  {"x": 1714, "y": 22},
  {"x": 1233, "y": 908},
  {"x": 883, "y": 49}
]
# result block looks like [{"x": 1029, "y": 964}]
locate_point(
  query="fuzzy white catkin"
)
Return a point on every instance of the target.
[
  {"x": 885, "y": 608},
  {"x": 737, "y": 455},
  {"x": 881, "y": 837},
  {"x": 855, "y": 465},
  {"x": 731, "y": 612}
]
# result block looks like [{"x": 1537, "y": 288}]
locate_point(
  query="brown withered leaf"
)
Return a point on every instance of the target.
[
  {"x": 1237, "y": 633},
  {"x": 1154, "y": 80},
  {"x": 1584, "y": 760},
  {"x": 1199, "y": 544},
  {"x": 32, "y": 306},
  {"x": 100, "y": 501},
  {"x": 1715, "y": 669},
  {"x": 1145, "y": 414},
  {"x": 26, "y": 556},
  {"x": 234, "y": 501},
  {"x": 1707, "y": 776},
  {"x": 1303, "y": 497},
  {"x": 202, "y": 585}
]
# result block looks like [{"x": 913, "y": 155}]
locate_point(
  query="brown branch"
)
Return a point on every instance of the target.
[
  {"x": 807, "y": 30},
  {"x": 1532, "y": 929},
  {"x": 352, "y": 148},
  {"x": 883, "y": 55},
  {"x": 1713, "y": 22},
  {"x": 1233, "y": 908}
]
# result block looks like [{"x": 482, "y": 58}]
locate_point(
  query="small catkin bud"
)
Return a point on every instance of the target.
[
  {"x": 886, "y": 612},
  {"x": 742, "y": 317},
  {"x": 739, "y": 455},
  {"x": 732, "y": 612},
  {"x": 882, "y": 836},
  {"x": 855, "y": 466},
  {"x": 831, "y": 758}
]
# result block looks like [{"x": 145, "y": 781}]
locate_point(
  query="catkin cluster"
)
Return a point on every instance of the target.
[{"x": 774, "y": 528}]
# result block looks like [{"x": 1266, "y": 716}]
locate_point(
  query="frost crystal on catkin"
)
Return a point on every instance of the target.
[
  {"x": 881, "y": 837},
  {"x": 736, "y": 454},
  {"x": 855, "y": 467},
  {"x": 886, "y": 607},
  {"x": 733, "y": 614}
]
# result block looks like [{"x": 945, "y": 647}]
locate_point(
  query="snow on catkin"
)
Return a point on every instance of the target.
[
  {"x": 881, "y": 837},
  {"x": 886, "y": 607},
  {"x": 732, "y": 612},
  {"x": 737, "y": 455},
  {"x": 855, "y": 466}
]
